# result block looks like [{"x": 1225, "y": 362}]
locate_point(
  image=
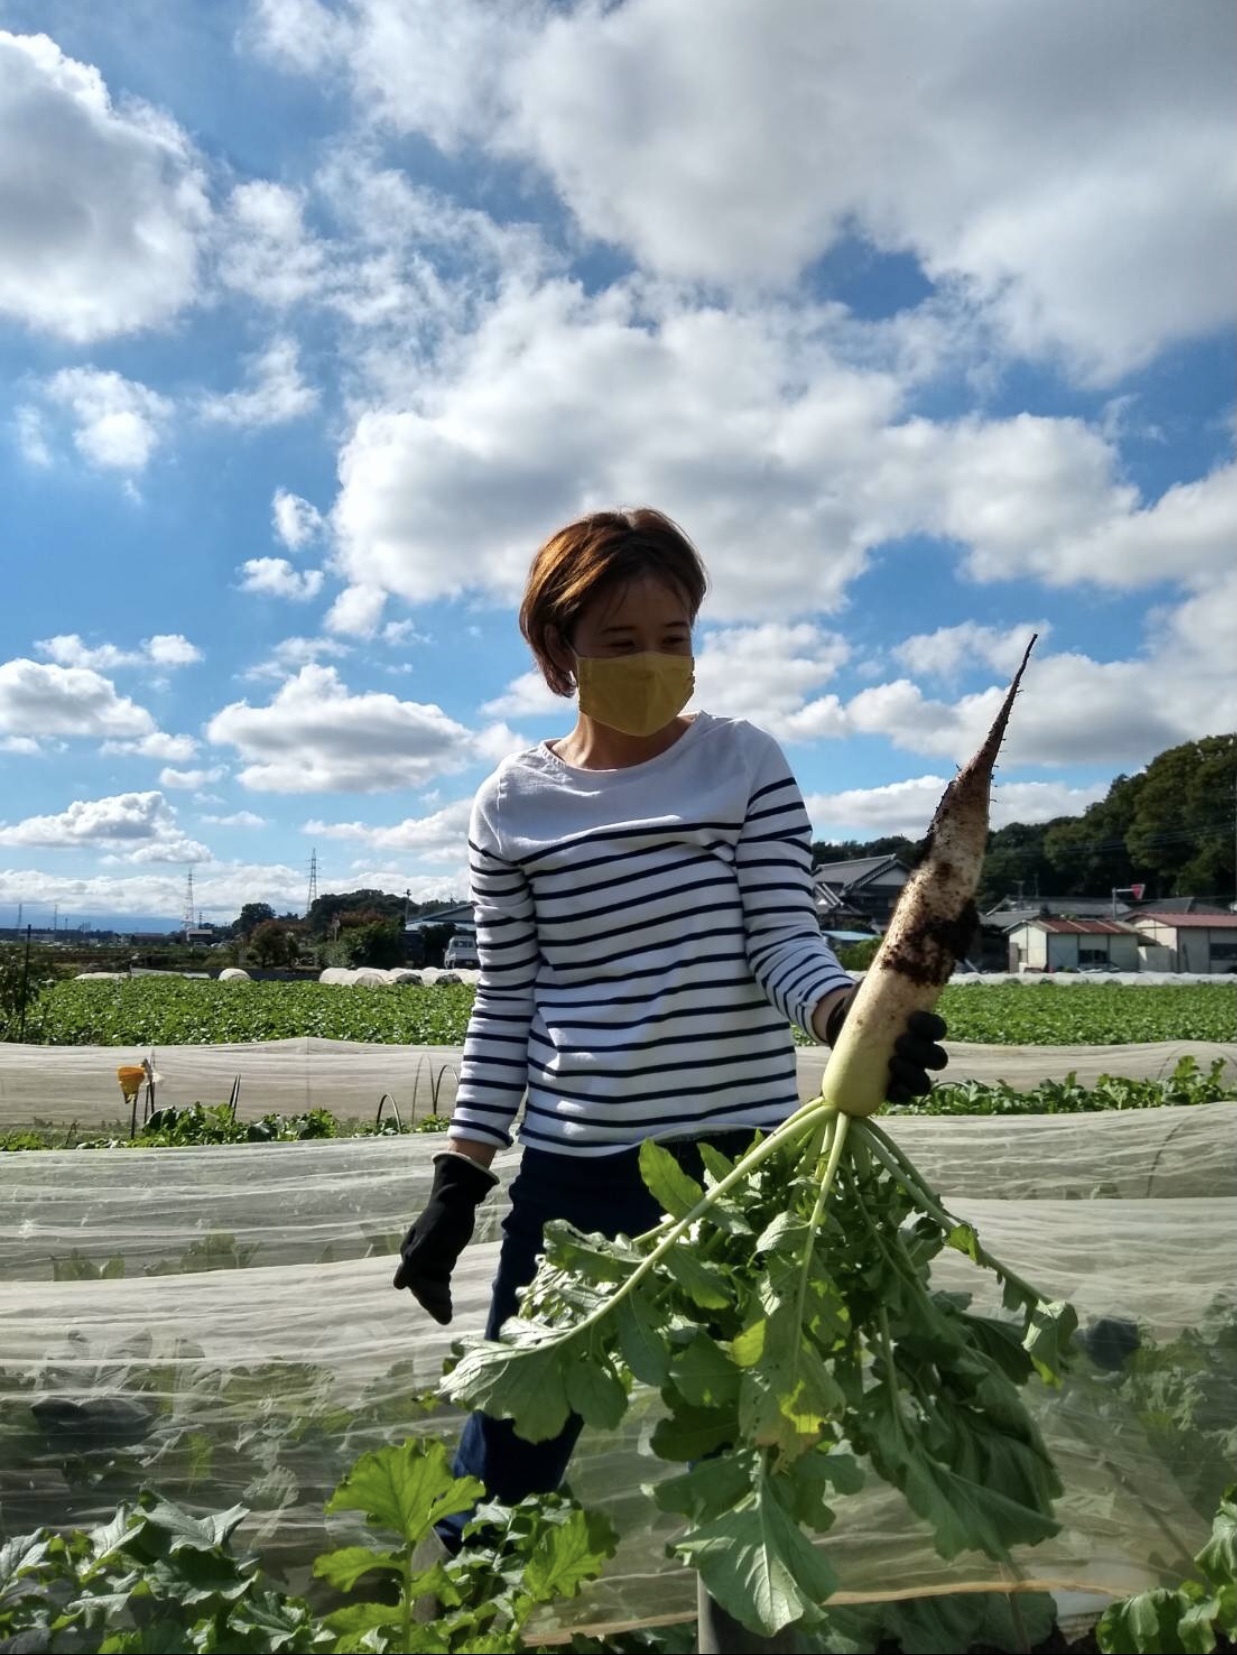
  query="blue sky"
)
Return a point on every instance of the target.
[{"x": 316, "y": 319}]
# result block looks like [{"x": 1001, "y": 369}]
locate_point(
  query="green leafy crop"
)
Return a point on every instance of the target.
[
  {"x": 1187, "y": 1084},
  {"x": 157, "y": 1577},
  {"x": 156, "y": 1011},
  {"x": 783, "y": 1310},
  {"x": 176, "y": 1011},
  {"x": 1191, "y": 1617}
]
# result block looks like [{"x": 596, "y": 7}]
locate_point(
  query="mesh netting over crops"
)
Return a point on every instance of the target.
[
  {"x": 219, "y": 1323},
  {"x": 63, "y": 1084}
]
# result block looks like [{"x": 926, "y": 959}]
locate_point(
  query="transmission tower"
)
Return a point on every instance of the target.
[
  {"x": 313, "y": 883},
  {"x": 189, "y": 907}
]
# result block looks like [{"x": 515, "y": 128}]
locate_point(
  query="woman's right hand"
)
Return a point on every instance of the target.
[{"x": 436, "y": 1239}]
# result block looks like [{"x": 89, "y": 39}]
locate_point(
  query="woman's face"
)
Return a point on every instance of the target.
[{"x": 645, "y": 615}]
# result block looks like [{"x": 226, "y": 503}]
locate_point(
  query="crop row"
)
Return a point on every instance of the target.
[
  {"x": 217, "y": 1123},
  {"x": 184, "y": 1011}
]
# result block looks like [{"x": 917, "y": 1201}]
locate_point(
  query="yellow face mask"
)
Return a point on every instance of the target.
[{"x": 637, "y": 694}]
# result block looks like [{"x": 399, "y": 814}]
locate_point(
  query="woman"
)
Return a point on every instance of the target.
[{"x": 647, "y": 935}]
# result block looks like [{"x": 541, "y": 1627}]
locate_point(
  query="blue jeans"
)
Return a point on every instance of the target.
[{"x": 595, "y": 1193}]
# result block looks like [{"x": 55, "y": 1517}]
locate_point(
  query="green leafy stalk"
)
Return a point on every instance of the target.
[{"x": 786, "y": 1315}]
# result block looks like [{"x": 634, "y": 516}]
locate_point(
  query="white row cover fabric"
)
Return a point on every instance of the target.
[
  {"x": 63, "y": 1084},
  {"x": 262, "y": 1381},
  {"x": 351, "y": 1198}
]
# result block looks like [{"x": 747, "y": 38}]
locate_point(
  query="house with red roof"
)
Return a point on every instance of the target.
[
  {"x": 1206, "y": 943},
  {"x": 1049, "y": 943}
]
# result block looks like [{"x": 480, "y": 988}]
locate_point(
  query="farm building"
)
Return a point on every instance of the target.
[
  {"x": 1048, "y": 944},
  {"x": 1010, "y": 912},
  {"x": 866, "y": 888},
  {"x": 1206, "y": 943}
]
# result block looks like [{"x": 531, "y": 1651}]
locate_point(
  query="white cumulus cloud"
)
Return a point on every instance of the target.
[
  {"x": 296, "y": 522},
  {"x": 163, "y": 649},
  {"x": 907, "y": 807},
  {"x": 528, "y": 696},
  {"x": 276, "y": 578},
  {"x": 238, "y": 819},
  {"x": 277, "y": 392},
  {"x": 102, "y": 207},
  {"x": 169, "y": 777},
  {"x": 157, "y": 745},
  {"x": 1029, "y": 157},
  {"x": 417, "y": 65},
  {"x": 291, "y": 654},
  {"x": 1034, "y": 154},
  {"x": 771, "y": 674},
  {"x": 266, "y": 250},
  {"x": 131, "y": 825},
  {"x": 117, "y": 423},
  {"x": 38, "y": 699},
  {"x": 316, "y": 736},
  {"x": 789, "y": 468},
  {"x": 357, "y": 611},
  {"x": 954, "y": 649},
  {"x": 439, "y": 837},
  {"x": 220, "y": 888},
  {"x": 30, "y": 426}
]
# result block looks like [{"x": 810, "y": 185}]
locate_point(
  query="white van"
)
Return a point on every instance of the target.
[{"x": 462, "y": 952}]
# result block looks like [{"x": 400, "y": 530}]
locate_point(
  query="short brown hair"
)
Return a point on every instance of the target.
[{"x": 597, "y": 554}]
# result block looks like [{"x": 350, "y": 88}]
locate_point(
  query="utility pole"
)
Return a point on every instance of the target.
[{"x": 25, "y": 982}]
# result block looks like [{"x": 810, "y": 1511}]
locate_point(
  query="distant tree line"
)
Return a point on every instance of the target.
[
  {"x": 347, "y": 928},
  {"x": 1171, "y": 828}
]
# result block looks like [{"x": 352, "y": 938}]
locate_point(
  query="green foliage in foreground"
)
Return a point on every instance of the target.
[
  {"x": 284, "y": 1422},
  {"x": 785, "y": 1314},
  {"x": 1191, "y": 1618},
  {"x": 156, "y": 1577},
  {"x": 154, "y": 1011}
]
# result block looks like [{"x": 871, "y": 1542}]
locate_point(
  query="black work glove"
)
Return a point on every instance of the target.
[
  {"x": 915, "y": 1051},
  {"x": 435, "y": 1241}
]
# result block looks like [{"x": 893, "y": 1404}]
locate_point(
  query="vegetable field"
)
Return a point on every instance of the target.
[{"x": 148, "y": 1011}]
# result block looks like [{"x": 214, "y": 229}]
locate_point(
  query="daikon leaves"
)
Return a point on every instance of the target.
[{"x": 785, "y": 1312}]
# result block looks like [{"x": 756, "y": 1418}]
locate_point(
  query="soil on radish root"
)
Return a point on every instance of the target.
[{"x": 927, "y": 954}]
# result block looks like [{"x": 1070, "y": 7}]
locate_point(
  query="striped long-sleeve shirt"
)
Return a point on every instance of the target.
[{"x": 646, "y": 938}]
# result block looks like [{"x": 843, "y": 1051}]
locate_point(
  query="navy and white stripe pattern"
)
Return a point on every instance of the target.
[{"x": 646, "y": 937}]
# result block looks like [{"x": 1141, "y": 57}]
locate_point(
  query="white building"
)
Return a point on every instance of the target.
[
  {"x": 1047, "y": 944},
  {"x": 1205, "y": 943}
]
